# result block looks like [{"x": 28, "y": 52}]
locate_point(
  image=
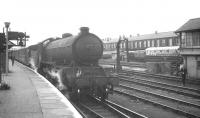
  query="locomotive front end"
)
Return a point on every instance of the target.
[{"x": 89, "y": 80}]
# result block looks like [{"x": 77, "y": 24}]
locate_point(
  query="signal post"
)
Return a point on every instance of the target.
[{"x": 118, "y": 64}]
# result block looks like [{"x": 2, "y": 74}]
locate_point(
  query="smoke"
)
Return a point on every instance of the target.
[
  {"x": 33, "y": 65},
  {"x": 57, "y": 74},
  {"x": 53, "y": 73}
]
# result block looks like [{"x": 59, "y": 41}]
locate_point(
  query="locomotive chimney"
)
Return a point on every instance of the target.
[{"x": 84, "y": 30}]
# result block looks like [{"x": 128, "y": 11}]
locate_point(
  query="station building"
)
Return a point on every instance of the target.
[{"x": 190, "y": 46}]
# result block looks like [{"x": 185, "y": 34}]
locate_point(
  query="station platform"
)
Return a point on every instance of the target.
[{"x": 32, "y": 96}]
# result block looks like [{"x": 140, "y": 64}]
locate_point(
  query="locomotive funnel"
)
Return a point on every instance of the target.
[{"x": 84, "y": 30}]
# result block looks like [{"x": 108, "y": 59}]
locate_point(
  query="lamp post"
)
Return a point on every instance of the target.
[{"x": 7, "y": 24}]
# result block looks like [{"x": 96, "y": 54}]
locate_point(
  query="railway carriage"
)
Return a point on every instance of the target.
[{"x": 164, "y": 60}]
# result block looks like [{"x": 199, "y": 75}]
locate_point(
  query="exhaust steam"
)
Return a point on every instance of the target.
[
  {"x": 57, "y": 74},
  {"x": 32, "y": 63}
]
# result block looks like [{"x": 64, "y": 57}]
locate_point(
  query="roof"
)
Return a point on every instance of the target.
[
  {"x": 147, "y": 36},
  {"x": 192, "y": 24},
  {"x": 154, "y": 36}
]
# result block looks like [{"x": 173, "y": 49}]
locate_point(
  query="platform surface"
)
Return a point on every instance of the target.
[{"x": 32, "y": 96}]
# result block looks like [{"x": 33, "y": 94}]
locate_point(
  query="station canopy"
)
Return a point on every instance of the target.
[{"x": 163, "y": 51}]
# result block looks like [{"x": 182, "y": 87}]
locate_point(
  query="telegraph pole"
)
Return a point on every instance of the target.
[{"x": 7, "y": 24}]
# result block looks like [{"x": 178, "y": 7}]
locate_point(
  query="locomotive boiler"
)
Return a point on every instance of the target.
[
  {"x": 83, "y": 49},
  {"x": 75, "y": 59}
]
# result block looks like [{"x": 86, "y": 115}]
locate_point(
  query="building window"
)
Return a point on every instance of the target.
[
  {"x": 129, "y": 45},
  {"x": 183, "y": 39},
  {"x": 158, "y": 43},
  {"x": 170, "y": 42},
  {"x": 148, "y": 43},
  {"x": 152, "y": 43},
  {"x": 136, "y": 44},
  {"x": 124, "y": 45},
  {"x": 176, "y": 41},
  {"x": 140, "y": 44},
  {"x": 198, "y": 64},
  {"x": 107, "y": 46},
  {"x": 145, "y": 44},
  {"x": 189, "y": 39},
  {"x": 196, "y": 38},
  {"x": 163, "y": 42},
  {"x": 132, "y": 44}
]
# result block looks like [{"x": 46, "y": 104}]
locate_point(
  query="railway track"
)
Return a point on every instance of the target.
[
  {"x": 159, "y": 77},
  {"x": 106, "y": 109},
  {"x": 172, "y": 106},
  {"x": 186, "y": 91},
  {"x": 184, "y": 100}
]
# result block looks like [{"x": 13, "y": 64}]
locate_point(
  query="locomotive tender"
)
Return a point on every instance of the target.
[{"x": 75, "y": 59}]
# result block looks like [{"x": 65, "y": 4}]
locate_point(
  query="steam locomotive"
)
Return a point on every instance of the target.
[{"x": 71, "y": 64}]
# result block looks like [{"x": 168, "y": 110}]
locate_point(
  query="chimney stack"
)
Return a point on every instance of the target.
[{"x": 84, "y": 30}]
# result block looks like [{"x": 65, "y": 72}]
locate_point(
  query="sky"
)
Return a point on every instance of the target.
[{"x": 42, "y": 19}]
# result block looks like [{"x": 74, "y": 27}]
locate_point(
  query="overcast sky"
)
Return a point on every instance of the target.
[{"x": 42, "y": 19}]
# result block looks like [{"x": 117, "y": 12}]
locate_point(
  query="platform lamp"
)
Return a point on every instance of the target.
[{"x": 7, "y": 24}]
